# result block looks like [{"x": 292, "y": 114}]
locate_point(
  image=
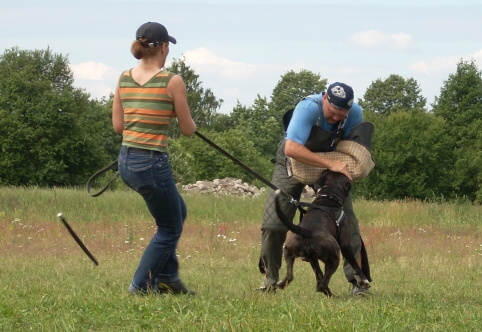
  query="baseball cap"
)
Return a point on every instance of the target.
[
  {"x": 340, "y": 95},
  {"x": 155, "y": 33}
]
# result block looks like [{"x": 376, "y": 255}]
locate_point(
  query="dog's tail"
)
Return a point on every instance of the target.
[{"x": 292, "y": 227}]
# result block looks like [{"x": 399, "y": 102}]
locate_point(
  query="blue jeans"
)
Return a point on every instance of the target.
[{"x": 149, "y": 173}]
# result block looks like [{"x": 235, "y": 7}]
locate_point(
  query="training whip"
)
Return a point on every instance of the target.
[{"x": 76, "y": 238}]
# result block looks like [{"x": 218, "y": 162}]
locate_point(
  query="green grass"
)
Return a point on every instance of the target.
[{"x": 426, "y": 263}]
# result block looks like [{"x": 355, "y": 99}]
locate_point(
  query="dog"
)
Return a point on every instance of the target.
[{"x": 329, "y": 233}]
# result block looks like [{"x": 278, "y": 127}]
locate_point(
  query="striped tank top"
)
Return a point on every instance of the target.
[{"x": 148, "y": 111}]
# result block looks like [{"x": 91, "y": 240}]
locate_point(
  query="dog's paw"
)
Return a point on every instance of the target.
[
  {"x": 325, "y": 290},
  {"x": 363, "y": 283},
  {"x": 281, "y": 284}
]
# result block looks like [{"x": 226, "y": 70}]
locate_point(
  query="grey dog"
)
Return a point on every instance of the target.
[{"x": 325, "y": 233}]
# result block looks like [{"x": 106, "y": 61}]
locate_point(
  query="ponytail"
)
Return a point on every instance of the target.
[
  {"x": 140, "y": 52},
  {"x": 137, "y": 50}
]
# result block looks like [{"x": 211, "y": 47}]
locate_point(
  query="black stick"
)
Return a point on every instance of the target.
[{"x": 77, "y": 239}]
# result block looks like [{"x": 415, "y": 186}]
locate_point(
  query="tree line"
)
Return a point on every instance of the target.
[{"x": 55, "y": 134}]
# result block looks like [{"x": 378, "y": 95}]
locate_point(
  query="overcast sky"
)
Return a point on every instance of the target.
[{"x": 242, "y": 48}]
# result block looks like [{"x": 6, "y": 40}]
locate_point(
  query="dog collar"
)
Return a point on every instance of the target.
[
  {"x": 340, "y": 218},
  {"x": 332, "y": 198}
]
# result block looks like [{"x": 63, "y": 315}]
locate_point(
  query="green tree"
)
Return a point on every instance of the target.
[
  {"x": 98, "y": 122},
  {"x": 182, "y": 160},
  {"x": 47, "y": 126},
  {"x": 202, "y": 102},
  {"x": 393, "y": 94},
  {"x": 460, "y": 105},
  {"x": 292, "y": 87},
  {"x": 203, "y": 162},
  {"x": 258, "y": 125},
  {"x": 240, "y": 115},
  {"x": 221, "y": 122},
  {"x": 412, "y": 155}
]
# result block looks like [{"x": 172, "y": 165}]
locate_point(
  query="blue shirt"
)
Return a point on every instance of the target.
[{"x": 308, "y": 113}]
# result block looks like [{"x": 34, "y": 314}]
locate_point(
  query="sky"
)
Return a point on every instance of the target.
[{"x": 241, "y": 49}]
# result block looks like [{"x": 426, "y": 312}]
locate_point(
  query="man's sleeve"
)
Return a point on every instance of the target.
[{"x": 304, "y": 117}]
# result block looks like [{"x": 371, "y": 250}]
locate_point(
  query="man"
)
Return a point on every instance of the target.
[{"x": 332, "y": 115}]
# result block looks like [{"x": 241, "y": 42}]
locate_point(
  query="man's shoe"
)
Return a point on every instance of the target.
[
  {"x": 176, "y": 288},
  {"x": 358, "y": 291}
]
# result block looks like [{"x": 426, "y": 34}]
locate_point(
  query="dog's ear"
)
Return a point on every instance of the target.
[
  {"x": 318, "y": 184},
  {"x": 321, "y": 181}
]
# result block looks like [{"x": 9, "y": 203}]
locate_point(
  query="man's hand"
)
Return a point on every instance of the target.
[{"x": 340, "y": 167}]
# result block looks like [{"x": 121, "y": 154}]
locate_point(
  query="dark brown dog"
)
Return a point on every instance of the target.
[{"x": 330, "y": 234}]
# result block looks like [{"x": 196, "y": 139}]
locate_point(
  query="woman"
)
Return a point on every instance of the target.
[{"x": 146, "y": 99}]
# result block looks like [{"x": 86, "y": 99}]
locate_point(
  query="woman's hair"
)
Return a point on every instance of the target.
[{"x": 140, "y": 52}]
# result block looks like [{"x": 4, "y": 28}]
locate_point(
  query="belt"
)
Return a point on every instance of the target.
[{"x": 129, "y": 149}]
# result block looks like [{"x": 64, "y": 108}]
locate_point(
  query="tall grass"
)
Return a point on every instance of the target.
[{"x": 426, "y": 260}]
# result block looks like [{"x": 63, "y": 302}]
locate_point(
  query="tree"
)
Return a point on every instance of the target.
[
  {"x": 207, "y": 163},
  {"x": 460, "y": 105},
  {"x": 182, "y": 160},
  {"x": 292, "y": 87},
  {"x": 393, "y": 94},
  {"x": 202, "y": 102},
  {"x": 460, "y": 98},
  {"x": 258, "y": 125},
  {"x": 221, "y": 122},
  {"x": 412, "y": 155},
  {"x": 47, "y": 126}
]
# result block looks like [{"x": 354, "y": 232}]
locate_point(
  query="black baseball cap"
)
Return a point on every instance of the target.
[
  {"x": 155, "y": 33},
  {"x": 340, "y": 95}
]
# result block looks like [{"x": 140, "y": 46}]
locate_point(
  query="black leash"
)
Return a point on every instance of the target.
[
  {"x": 207, "y": 140},
  {"x": 238, "y": 162},
  {"x": 99, "y": 173}
]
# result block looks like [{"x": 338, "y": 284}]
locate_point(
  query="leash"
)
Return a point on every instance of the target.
[
  {"x": 238, "y": 162},
  {"x": 341, "y": 217},
  {"x": 207, "y": 140},
  {"x": 99, "y": 173},
  {"x": 304, "y": 206}
]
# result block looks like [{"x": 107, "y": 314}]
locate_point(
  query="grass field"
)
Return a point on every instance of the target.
[{"x": 426, "y": 262}]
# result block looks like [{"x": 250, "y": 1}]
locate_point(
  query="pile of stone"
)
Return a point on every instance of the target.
[
  {"x": 231, "y": 186},
  {"x": 226, "y": 186}
]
